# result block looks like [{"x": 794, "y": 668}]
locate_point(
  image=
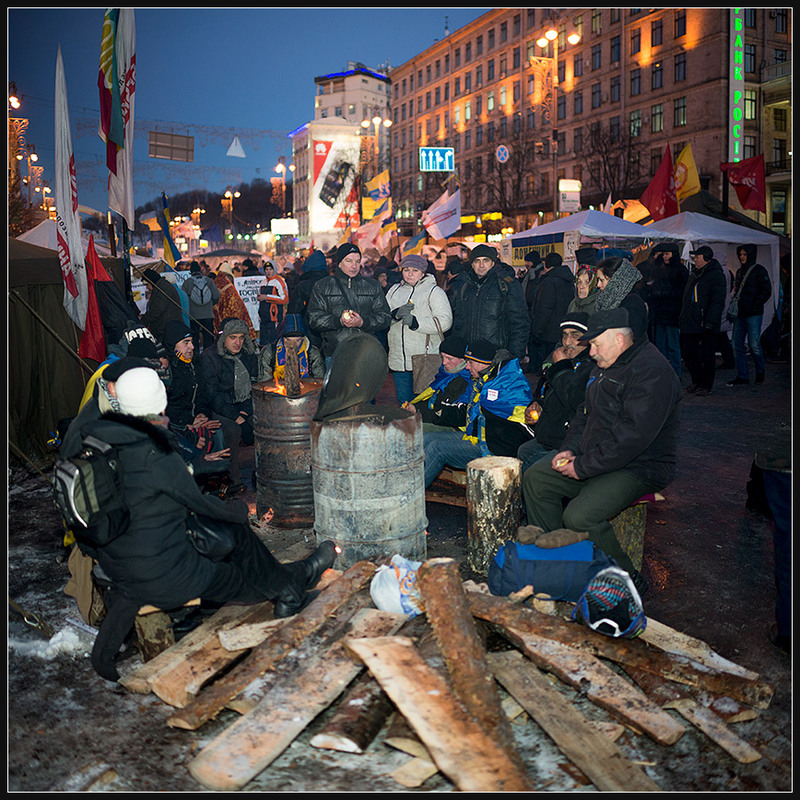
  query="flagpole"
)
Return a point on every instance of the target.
[{"x": 126, "y": 257}]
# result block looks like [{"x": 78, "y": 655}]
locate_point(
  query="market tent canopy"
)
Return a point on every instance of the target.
[
  {"x": 565, "y": 235},
  {"x": 693, "y": 230}
]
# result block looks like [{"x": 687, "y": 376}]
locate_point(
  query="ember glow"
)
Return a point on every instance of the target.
[{"x": 338, "y": 549}]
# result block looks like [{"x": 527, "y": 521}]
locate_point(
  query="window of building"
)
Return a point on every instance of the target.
[
  {"x": 446, "y": 63},
  {"x": 456, "y": 143},
  {"x": 438, "y": 96},
  {"x": 680, "y": 23},
  {"x": 656, "y": 32},
  {"x": 490, "y": 38},
  {"x": 517, "y": 123},
  {"x": 657, "y": 76},
  {"x": 419, "y": 105},
  {"x": 457, "y": 115},
  {"x": 503, "y": 127},
  {"x": 490, "y": 132},
  {"x": 680, "y": 67},
  {"x": 531, "y": 22},
  {"x": 577, "y": 65},
  {"x": 479, "y": 135},
  {"x": 467, "y": 110},
  {"x": 616, "y": 90},
  {"x": 479, "y": 74},
  {"x": 749, "y": 147},
  {"x": 596, "y": 98},
  {"x": 478, "y": 46},
  {"x": 778, "y": 210},
  {"x": 478, "y": 105},
  {"x": 656, "y": 118},
  {"x": 502, "y": 96},
  {"x": 781, "y": 20},
  {"x": 428, "y": 73},
  {"x": 615, "y": 49},
  {"x": 457, "y": 58},
  {"x": 750, "y": 58},
  {"x": 779, "y": 151},
  {"x": 517, "y": 23},
  {"x": 561, "y": 111},
  {"x": 577, "y": 140},
  {"x": 467, "y": 52},
  {"x": 503, "y": 32},
  {"x": 490, "y": 101},
  {"x": 447, "y": 91},
  {"x": 750, "y": 103},
  {"x": 531, "y": 119},
  {"x": 614, "y": 15},
  {"x": 779, "y": 57},
  {"x": 337, "y": 112},
  {"x": 656, "y": 154},
  {"x": 615, "y": 128},
  {"x": 503, "y": 65},
  {"x": 578, "y": 24},
  {"x": 517, "y": 92},
  {"x": 636, "y": 81},
  {"x": 468, "y": 82},
  {"x": 596, "y": 17},
  {"x": 635, "y": 127},
  {"x": 749, "y": 18},
  {"x": 516, "y": 58},
  {"x": 780, "y": 120},
  {"x": 530, "y": 50},
  {"x": 562, "y": 71},
  {"x": 578, "y": 101},
  {"x": 679, "y": 112},
  {"x": 419, "y": 79},
  {"x": 427, "y": 100},
  {"x": 597, "y": 58}
]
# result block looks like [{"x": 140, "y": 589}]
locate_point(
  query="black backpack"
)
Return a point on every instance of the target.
[
  {"x": 201, "y": 293},
  {"x": 88, "y": 493}
]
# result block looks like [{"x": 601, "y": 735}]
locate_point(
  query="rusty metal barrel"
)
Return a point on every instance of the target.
[
  {"x": 369, "y": 483},
  {"x": 283, "y": 452}
]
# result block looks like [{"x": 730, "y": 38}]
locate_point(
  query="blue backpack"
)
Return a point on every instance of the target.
[{"x": 561, "y": 572}]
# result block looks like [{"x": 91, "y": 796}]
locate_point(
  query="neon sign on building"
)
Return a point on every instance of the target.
[{"x": 736, "y": 86}]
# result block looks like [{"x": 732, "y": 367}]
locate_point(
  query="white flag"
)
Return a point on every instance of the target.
[
  {"x": 68, "y": 223},
  {"x": 443, "y": 218},
  {"x": 607, "y": 206}
]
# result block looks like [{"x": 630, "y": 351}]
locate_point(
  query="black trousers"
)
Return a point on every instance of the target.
[{"x": 700, "y": 355}]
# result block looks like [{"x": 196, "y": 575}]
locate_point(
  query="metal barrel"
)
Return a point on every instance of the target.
[
  {"x": 369, "y": 484},
  {"x": 283, "y": 452}
]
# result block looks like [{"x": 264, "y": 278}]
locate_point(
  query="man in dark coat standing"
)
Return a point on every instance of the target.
[
  {"x": 554, "y": 292},
  {"x": 314, "y": 268},
  {"x": 701, "y": 317},
  {"x": 164, "y": 305},
  {"x": 488, "y": 303}
]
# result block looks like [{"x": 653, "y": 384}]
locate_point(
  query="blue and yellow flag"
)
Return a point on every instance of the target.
[
  {"x": 379, "y": 187},
  {"x": 414, "y": 245},
  {"x": 171, "y": 253}
]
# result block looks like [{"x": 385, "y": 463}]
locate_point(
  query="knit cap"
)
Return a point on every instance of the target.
[{"x": 141, "y": 393}]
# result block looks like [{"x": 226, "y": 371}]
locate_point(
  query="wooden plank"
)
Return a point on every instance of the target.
[
  {"x": 446, "y": 499},
  {"x": 459, "y": 746},
  {"x": 603, "y": 763},
  {"x": 283, "y": 640},
  {"x": 190, "y": 647},
  {"x": 245, "y": 637},
  {"x": 254, "y": 741},
  {"x": 628, "y": 652},
  {"x": 447, "y": 610},
  {"x": 414, "y": 773}
]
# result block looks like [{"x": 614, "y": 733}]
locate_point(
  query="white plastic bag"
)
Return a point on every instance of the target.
[{"x": 394, "y": 587}]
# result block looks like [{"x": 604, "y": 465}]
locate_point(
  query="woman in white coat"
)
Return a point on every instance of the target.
[{"x": 420, "y": 314}]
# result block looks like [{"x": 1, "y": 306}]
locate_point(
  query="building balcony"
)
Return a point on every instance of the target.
[{"x": 773, "y": 168}]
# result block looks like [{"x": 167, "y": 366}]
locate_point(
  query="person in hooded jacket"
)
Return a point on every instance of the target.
[
  {"x": 272, "y": 358},
  {"x": 488, "y": 303},
  {"x": 346, "y": 303},
  {"x": 228, "y": 369},
  {"x": 701, "y": 315},
  {"x": 421, "y": 316},
  {"x": 164, "y": 304},
  {"x": 617, "y": 281},
  {"x": 154, "y": 560},
  {"x": 314, "y": 268},
  {"x": 203, "y": 294},
  {"x": 554, "y": 291},
  {"x": 754, "y": 288}
]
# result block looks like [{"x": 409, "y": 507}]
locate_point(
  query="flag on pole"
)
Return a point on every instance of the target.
[
  {"x": 443, "y": 217},
  {"x": 607, "y": 205},
  {"x": 68, "y": 223},
  {"x": 380, "y": 186},
  {"x": 117, "y": 84},
  {"x": 346, "y": 237},
  {"x": 748, "y": 179},
  {"x": 171, "y": 253},
  {"x": 93, "y": 340},
  {"x": 414, "y": 245},
  {"x": 659, "y": 197},
  {"x": 687, "y": 181}
]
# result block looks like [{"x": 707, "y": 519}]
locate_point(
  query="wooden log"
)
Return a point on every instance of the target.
[
  {"x": 670, "y": 695},
  {"x": 446, "y": 499},
  {"x": 453, "y": 625},
  {"x": 357, "y": 720},
  {"x": 243, "y": 637},
  {"x": 493, "y": 507},
  {"x": 178, "y": 666},
  {"x": 632, "y": 652},
  {"x": 284, "y": 639},
  {"x": 254, "y": 741},
  {"x": 459, "y": 746},
  {"x": 414, "y": 772},
  {"x": 603, "y": 763},
  {"x": 153, "y": 633},
  {"x": 629, "y": 528}
]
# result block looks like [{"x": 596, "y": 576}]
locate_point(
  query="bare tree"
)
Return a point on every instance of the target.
[{"x": 611, "y": 157}]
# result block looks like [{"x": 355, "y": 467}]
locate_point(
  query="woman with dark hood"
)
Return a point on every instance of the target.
[{"x": 616, "y": 283}]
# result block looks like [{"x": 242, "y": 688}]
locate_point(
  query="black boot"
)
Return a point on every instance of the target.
[
  {"x": 292, "y": 603},
  {"x": 320, "y": 560},
  {"x": 114, "y": 630}
]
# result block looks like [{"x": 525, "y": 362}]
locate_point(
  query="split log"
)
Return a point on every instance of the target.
[
  {"x": 631, "y": 652},
  {"x": 291, "y": 370},
  {"x": 284, "y": 639},
  {"x": 244, "y": 637},
  {"x": 603, "y": 763},
  {"x": 414, "y": 772},
  {"x": 177, "y": 665},
  {"x": 493, "y": 507},
  {"x": 254, "y": 741},
  {"x": 453, "y": 625},
  {"x": 459, "y": 746},
  {"x": 153, "y": 633},
  {"x": 669, "y": 695},
  {"x": 357, "y": 720}
]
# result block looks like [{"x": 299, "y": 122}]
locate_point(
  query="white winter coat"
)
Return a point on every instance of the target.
[{"x": 430, "y": 301}]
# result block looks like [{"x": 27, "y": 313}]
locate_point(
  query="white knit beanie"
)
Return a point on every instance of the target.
[{"x": 141, "y": 393}]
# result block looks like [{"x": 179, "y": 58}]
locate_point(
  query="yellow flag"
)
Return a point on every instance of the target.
[{"x": 687, "y": 181}]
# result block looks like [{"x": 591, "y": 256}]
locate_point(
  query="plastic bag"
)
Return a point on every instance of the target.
[{"x": 394, "y": 587}]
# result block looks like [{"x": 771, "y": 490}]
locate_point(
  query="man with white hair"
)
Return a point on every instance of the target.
[{"x": 621, "y": 444}]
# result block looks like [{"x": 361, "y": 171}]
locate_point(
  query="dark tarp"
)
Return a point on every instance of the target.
[{"x": 45, "y": 381}]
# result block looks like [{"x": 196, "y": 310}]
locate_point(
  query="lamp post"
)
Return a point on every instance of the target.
[
  {"x": 378, "y": 122},
  {"x": 227, "y": 205},
  {"x": 281, "y": 170},
  {"x": 28, "y": 151},
  {"x": 551, "y": 35}
]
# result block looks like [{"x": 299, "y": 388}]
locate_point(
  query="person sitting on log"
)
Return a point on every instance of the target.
[
  {"x": 272, "y": 358},
  {"x": 493, "y": 418},
  {"x": 154, "y": 561},
  {"x": 621, "y": 443}
]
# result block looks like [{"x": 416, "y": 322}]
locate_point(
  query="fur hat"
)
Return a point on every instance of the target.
[{"x": 141, "y": 393}]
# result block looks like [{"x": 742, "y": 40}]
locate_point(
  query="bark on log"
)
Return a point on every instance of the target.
[
  {"x": 591, "y": 751},
  {"x": 459, "y": 746},
  {"x": 448, "y": 613},
  {"x": 632, "y": 652},
  {"x": 291, "y": 370},
  {"x": 153, "y": 633},
  {"x": 208, "y": 704},
  {"x": 493, "y": 507}
]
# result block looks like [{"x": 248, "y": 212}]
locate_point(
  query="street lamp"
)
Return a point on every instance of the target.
[
  {"x": 377, "y": 121},
  {"x": 281, "y": 170},
  {"x": 551, "y": 35},
  {"x": 28, "y": 152}
]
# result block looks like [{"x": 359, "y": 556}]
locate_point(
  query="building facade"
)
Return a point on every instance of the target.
[{"x": 598, "y": 103}]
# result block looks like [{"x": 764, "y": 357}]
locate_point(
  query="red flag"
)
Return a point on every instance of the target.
[
  {"x": 93, "y": 340},
  {"x": 660, "y": 197},
  {"x": 748, "y": 179}
]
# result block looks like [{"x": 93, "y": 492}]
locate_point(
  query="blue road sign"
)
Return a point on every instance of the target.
[
  {"x": 502, "y": 154},
  {"x": 436, "y": 159}
]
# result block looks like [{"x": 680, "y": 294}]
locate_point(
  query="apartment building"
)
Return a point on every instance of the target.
[{"x": 598, "y": 103}]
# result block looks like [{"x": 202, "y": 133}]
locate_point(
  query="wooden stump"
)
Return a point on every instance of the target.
[
  {"x": 154, "y": 633},
  {"x": 494, "y": 501},
  {"x": 629, "y": 526}
]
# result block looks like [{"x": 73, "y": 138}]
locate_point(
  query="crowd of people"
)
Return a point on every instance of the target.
[{"x": 576, "y": 371}]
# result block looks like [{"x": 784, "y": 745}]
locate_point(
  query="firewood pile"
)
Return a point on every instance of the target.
[{"x": 430, "y": 687}]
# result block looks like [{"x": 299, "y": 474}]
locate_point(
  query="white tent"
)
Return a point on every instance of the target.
[
  {"x": 723, "y": 237},
  {"x": 566, "y": 235}
]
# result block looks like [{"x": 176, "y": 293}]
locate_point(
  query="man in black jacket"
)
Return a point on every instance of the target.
[
  {"x": 701, "y": 317},
  {"x": 621, "y": 444},
  {"x": 554, "y": 292},
  {"x": 488, "y": 303},
  {"x": 754, "y": 288},
  {"x": 153, "y": 561}
]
